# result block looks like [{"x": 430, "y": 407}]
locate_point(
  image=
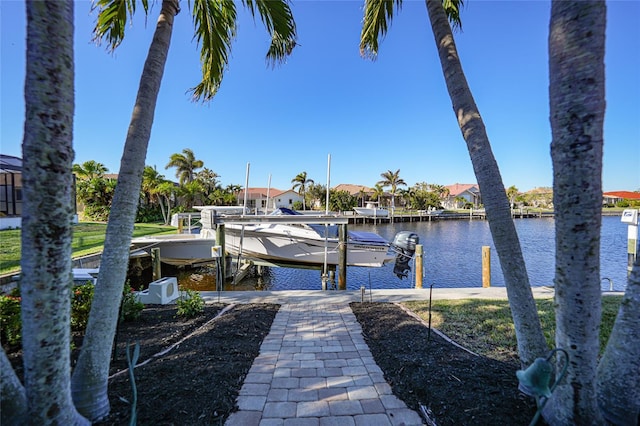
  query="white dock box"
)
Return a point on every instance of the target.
[{"x": 160, "y": 292}]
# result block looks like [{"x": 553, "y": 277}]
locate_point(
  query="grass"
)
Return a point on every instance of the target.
[
  {"x": 88, "y": 238},
  {"x": 486, "y": 327}
]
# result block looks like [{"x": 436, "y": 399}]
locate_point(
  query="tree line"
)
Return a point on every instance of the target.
[{"x": 198, "y": 185}]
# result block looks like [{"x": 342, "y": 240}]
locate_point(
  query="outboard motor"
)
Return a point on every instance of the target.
[{"x": 404, "y": 244}]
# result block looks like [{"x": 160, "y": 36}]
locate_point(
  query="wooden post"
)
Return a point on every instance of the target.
[
  {"x": 419, "y": 267},
  {"x": 342, "y": 257},
  {"x": 486, "y": 266},
  {"x": 155, "y": 262},
  {"x": 179, "y": 225},
  {"x": 220, "y": 241}
]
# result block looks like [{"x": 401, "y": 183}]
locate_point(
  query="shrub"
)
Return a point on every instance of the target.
[
  {"x": 131, "y": 308},
  {"x": 10, "y": 320},
  {"x": 190, "y": 304},
  {"x": 81, "y": 298}
]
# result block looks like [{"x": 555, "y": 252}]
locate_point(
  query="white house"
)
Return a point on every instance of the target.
[
  {"x": 263, "y": 199},
  {"x": 469, "y": 192}
]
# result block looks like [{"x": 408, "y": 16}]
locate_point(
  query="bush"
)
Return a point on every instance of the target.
[
  {"x": 10, "y": 320},
  {"x": 190, "y": 304},
  {"x": 81, "y": 299},
  {"x": 131, "y": 308}
]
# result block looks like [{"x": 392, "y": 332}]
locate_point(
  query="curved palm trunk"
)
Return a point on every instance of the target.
[
  {"x": 619, "y": 369},
  {"x": 48, "y": 213},
  {"x": 13, "y": 402},
  {"x": 577, "y": 105},
  {"x": 531, "y": 342},
  {"x": 89, "y": 381}
]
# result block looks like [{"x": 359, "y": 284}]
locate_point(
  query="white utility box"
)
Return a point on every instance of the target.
[{"x": 160, "y": 292}]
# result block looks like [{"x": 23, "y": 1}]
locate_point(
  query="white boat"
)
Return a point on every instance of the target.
[
  {"x": 297, "y": 240},
  {"x": 186, "y": 248},
  {"x": 371, "y": 210},
  {"x": 178, "y": 249}
]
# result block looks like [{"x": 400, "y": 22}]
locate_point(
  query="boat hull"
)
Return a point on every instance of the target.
[
  {"x": 178, "y": 249},
  {"x": 371, "y": 212},
  {"x": 259, "y": 243}
]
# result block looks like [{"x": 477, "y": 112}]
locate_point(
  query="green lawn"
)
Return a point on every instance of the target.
[
  {"x": 88, "y": 238},
  {"x": 485, "y": 326}
]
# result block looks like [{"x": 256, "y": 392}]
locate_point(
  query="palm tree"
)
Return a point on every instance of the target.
[
  {"x": 393, "y": 180},
  {"x": 155, "y": 186},
  {"x": 512, "y": 193},
  {"x": 46, "y": 232},
  {"x": 300, "y": 182},
  {"x": 608, "y": 393},
  {"x": 214, "y": 27},
  {"x": 185, "y": 164},
  {"x": 531, "y": 341},
  {"x": 89, "y": 170},
  {"x": 378, "y": 192}
]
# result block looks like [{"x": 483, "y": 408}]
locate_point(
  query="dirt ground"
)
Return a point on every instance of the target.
[{"x": 198, "y": 380}]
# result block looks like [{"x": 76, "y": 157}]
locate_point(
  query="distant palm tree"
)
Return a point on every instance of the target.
[
  {"x": 300, "y": 182},
  {"x": 393, "y": 180},
  {"x": 89, "y": 170},
  {"x": 156, "y": 187},
  {"x": 185, "y": 164},
  {"x": 378, "y": 191}
]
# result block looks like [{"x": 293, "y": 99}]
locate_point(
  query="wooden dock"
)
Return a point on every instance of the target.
[{"x": 418, "y": 216}]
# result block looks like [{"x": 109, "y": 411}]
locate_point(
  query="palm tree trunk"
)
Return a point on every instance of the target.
[
  {"x": 89, "y": 381},
  {"x": 13, "y": 402},
  {"x": 531, "y": 341},
  {"x": 577, "y": 105},
  {"x": 619, "y": 369},
  {"x": 48, "y": 213}
]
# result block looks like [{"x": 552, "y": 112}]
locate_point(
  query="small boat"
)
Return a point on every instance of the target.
[
  {"x": 371, "y": 210},
  {"x": 302, "y": 242}
]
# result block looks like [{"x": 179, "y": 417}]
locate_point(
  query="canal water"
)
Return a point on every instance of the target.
[{"x": 452, "y": 258}]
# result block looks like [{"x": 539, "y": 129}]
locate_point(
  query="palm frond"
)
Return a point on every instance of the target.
[
  {"x": 452, "y": 8},
  {"x": 375, "y": 24},
  {"x": 112, "y": 20},
  {"x": 215, "y": 28},
  {"x": 277, "y": 17}
]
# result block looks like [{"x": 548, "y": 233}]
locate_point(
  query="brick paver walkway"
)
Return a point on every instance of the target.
[{"x": 314, "y": 368}]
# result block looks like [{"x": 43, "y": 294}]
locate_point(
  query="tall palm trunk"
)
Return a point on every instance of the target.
[
  {"x": 577, "y": 105},
  {"x": 47, "y": 213},
  {"x": 89, "y": 381},
  {"x": 531, "y": 341}
]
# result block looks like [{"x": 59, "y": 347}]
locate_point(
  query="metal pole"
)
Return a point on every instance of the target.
[{"x": 220, "y": 240}]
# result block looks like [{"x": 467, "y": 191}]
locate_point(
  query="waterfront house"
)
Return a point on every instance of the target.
[
  {"x": 261, "y": 199},
  {"x": 461, "y": 194},
  {"x": 615, "y": 197}
]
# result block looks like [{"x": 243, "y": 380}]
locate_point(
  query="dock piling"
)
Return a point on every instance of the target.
[{"x": 486, "y": 266}]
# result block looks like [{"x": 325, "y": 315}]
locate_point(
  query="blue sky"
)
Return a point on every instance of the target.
[{"x": 370, "y": 116}]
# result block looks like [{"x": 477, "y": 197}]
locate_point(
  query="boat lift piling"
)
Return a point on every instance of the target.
[{"x": 342, "y": 256}]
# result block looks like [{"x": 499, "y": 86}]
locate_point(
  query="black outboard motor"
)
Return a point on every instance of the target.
[{"x": 404, "y": 243}]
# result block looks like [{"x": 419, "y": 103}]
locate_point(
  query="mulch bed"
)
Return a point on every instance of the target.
[
  {"x": 197, "y": 382},
  {"x": 459, "y": 388}
]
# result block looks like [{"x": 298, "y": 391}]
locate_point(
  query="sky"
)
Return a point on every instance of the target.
[{"x": 327, "y": 102}]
